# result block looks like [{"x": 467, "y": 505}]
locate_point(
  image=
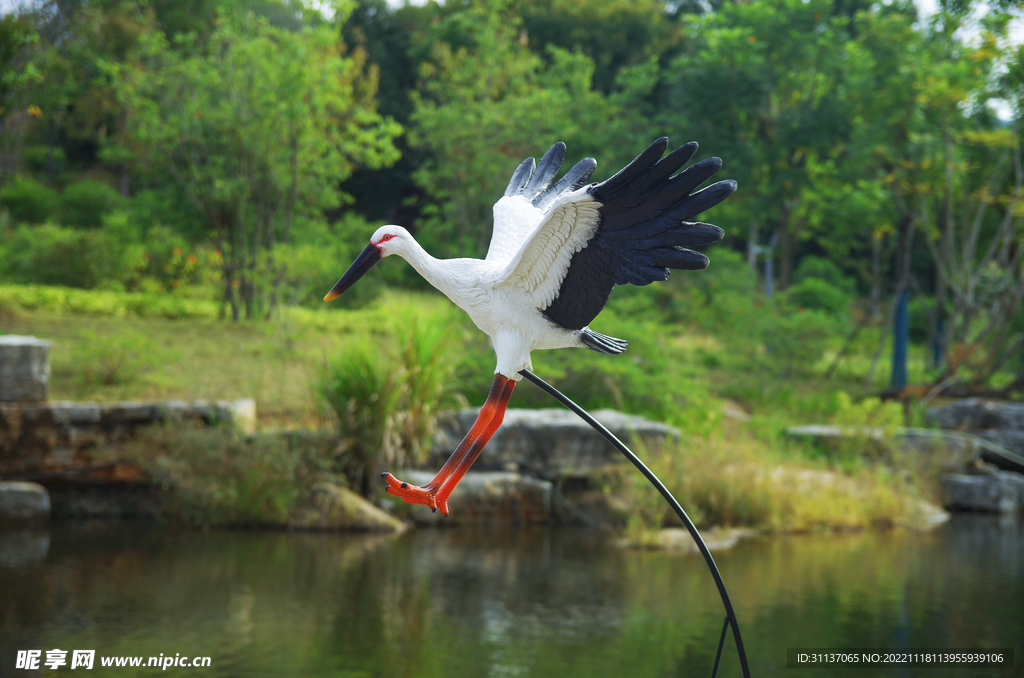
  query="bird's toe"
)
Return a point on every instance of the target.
[{"x": 411, "y": 494}]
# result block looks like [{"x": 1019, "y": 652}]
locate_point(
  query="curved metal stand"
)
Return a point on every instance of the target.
[{"x": 730, "y": 616}]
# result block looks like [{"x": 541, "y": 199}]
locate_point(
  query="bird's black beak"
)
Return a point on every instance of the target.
[{"x": 363, "y": 263}]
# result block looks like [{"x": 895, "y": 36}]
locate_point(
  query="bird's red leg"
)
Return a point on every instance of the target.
[
  {"x": 427, "y": 494},
  {"x": 476, "y": 448}
]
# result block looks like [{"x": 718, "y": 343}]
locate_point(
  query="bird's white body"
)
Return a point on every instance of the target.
[{"x": 504, "y": 293}]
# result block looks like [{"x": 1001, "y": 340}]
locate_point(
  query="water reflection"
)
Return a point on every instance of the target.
[
  {"x": 540, "y": 602},
  {"x": 21, "y": 548}
]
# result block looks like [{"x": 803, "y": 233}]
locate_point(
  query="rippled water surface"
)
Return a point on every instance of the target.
[{"x": 538, "y": 602}]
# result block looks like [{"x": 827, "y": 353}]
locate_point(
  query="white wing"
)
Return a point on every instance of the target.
[
  {"x": 529, "y": 197},
  {"x": 515, "y": 218},
  {"x": 541, "y": 264}
]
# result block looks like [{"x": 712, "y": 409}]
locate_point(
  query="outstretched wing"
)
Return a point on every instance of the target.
[
  {"x": 529, "y": 196},
  {"x": 631, "y": 228}
]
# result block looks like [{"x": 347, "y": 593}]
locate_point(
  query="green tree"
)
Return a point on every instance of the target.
[
  {"x": 613, "y": 33},
  {"x": 18, "y": 73},
  {"x": 848, "y": 207},
  {"x": 762, "y": 84},
  {"x": 485, "y": 102},
  {"x": 80, "y": 115},
  {"x": 964, "y": 193},
  {"x": 258, "y": 125}
]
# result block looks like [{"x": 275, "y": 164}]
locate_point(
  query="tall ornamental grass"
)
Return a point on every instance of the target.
[{"x": 386, "y": 391}]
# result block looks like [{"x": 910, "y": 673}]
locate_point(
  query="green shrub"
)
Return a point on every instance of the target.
[
  {"x": 51, "y": 255},
  {"x": 166, "y": 206},
  {"x": 27, "y": 200},
  {"x": 871, "y": 425},
  {"x": 795, "y": 342},
  {"x": 112, "y": 257},
  {"x": 819, "y": 268},
  {"x": 819, "y": 295},
  {"x": 83, "y": 205},
  {"x": 105, "y": 302},
  {"x": 48, "y": 254},
  {"x": 163, "y": 261},
  {"x": 215, "y": 476}
]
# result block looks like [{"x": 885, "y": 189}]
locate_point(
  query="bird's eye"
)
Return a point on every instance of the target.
[{"x": 386, "y": 238}]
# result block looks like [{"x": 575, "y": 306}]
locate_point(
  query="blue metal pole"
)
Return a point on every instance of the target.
[{"x": 938, "y": 350}]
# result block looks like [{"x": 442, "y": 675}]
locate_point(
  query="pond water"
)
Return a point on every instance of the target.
[{"x": 501, "y": 603}]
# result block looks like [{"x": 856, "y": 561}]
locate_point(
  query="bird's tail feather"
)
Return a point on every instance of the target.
[{"x": 601, "y": 343}]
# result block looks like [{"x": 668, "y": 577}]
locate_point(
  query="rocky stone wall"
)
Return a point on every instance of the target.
[
  {"x": 999, "y": 422},
  {"x": 37, "y": 437},
  {"x": 998, "y": 484}
]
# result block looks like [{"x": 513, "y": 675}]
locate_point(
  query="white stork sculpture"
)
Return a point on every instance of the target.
[{"x": 556, "y": 252}]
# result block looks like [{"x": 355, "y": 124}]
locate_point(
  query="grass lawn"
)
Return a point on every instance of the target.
[{"x": 110, "y": 358}]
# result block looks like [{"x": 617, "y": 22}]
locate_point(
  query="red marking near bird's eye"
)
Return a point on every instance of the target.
[{"x": 387, "y": 237}]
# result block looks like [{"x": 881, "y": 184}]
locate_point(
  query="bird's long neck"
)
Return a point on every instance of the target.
[{"x": 431, "y": 268}]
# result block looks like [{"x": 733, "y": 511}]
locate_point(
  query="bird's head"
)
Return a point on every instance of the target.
[
  {"x": 387, "y": 240},
  {"x": 390, "y": 240}
]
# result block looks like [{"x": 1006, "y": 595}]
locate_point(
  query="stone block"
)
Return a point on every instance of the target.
[
  {"x": 243, "y": 414},
  {"x": 979, "y": 413},
  {"x": 129, "y": 413},
  {"x": 552, "y": 443},
  {"x": 74, "y": 413},
  {"x": 40, "y": 434},
  {"x": 330, "y": 507},
  {"x": 23, "y": 504},
  {"x": 1009, "y": 440},
  {"x": 999, "y": 492},
  {"x": 10, "y": 429},
  {"x": 24, "y": 369},
  {"x": 240, "y": 413}
]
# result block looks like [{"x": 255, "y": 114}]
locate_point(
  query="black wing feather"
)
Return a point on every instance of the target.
[{"x": 644, "y": 230}]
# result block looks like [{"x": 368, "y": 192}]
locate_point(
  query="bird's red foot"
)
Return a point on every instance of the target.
[{"x": 415, "y": 494}]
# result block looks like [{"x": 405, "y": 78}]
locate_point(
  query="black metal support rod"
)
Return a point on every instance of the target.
[
  {"x": 721, "y": 645},
  {"x": 654, "y": 480}
]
